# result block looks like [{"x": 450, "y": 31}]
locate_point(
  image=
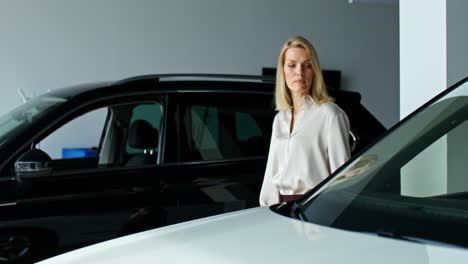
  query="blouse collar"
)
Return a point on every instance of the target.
[{"x": 308, "y": 103}]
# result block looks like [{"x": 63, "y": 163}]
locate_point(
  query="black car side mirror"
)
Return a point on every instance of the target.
[
  {"x": 33, "y": 163},
  {"x": 353, "y": 140}
]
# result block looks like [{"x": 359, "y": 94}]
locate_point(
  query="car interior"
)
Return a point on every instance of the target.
[{"x": 143, "y": 137}]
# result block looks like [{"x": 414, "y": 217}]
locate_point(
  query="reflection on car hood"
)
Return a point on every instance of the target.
[{"x": 258, "y": 236}]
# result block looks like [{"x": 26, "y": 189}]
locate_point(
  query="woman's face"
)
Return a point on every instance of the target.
[{"x": 298, "y": 70}]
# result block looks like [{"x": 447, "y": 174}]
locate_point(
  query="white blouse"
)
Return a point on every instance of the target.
[{"x": 317, "y": 146}]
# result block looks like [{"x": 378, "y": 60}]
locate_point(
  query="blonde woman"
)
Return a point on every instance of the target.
[{"x": 310, "y": 133}]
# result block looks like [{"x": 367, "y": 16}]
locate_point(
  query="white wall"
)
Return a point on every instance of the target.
[
  {"x": 433, "y": 41},
  {"x": 53, "y": 43}
]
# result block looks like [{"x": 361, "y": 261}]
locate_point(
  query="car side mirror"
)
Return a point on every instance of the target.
[
  {"x": 33, "y": 163},
  {"x": 353, "y": 140}
]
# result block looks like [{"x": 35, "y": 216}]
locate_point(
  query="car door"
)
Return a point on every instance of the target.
[
  {"x": 98, "y": 173},
  {"x": 217, "y": 144}
]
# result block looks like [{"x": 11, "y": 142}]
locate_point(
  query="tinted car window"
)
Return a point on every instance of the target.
[
  {"x": 132, "y": 135},
  {"x": 152, "y": 114},
  {"x": 222, "y": 126}
]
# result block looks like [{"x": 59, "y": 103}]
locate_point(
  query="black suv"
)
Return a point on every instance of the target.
[{"x": 93, "y": 162}]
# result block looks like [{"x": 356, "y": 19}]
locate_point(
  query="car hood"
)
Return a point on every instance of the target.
[{"x": 258, "y": 235}]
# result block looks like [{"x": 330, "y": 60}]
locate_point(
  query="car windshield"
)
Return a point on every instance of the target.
[
  {"x": 412, "y": 184},
  {"x": 19, "y": 118}
]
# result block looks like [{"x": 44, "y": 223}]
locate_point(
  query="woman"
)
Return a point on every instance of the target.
[{"x": 310, "y": 133}]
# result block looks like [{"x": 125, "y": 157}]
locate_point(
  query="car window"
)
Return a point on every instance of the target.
[
  {"x": 246, "y": 126},
  {"x": 205, "y": 131},
  {"x": 222, "y": 126},
  {"x": 65, "y": 143},
  {"x": 116, "y": 135},
  {"x": 151, "y": 113},
  {"x": 132, "y": 136},
  {"x": 412, "y": 183}
]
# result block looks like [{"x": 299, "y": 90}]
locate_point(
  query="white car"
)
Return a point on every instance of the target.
[{"x": 403, "y": 200}]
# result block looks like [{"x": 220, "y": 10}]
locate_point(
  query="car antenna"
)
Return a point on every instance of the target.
[{"x": 23, "y": 95}]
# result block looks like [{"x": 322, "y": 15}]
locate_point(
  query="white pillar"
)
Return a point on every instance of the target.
[
  {"x": 433, "y": 56},
  {"x": 423, "y": 74},
  {"x": 423, "y": 52}
]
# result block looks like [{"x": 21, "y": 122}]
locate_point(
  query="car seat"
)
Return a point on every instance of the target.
[{"x": 144, "y": 137}]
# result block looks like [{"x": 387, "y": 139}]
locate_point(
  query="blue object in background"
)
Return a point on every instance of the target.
[{"x": 68, "y": 153}]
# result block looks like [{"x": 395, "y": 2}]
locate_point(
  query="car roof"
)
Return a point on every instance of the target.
[{"x": 142, "y": 82}]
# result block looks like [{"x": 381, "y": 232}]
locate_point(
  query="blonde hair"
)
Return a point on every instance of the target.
[{"x": 318, "y": 91}]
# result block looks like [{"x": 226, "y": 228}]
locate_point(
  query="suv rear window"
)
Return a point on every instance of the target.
[{"x": 226, "y": 126}]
